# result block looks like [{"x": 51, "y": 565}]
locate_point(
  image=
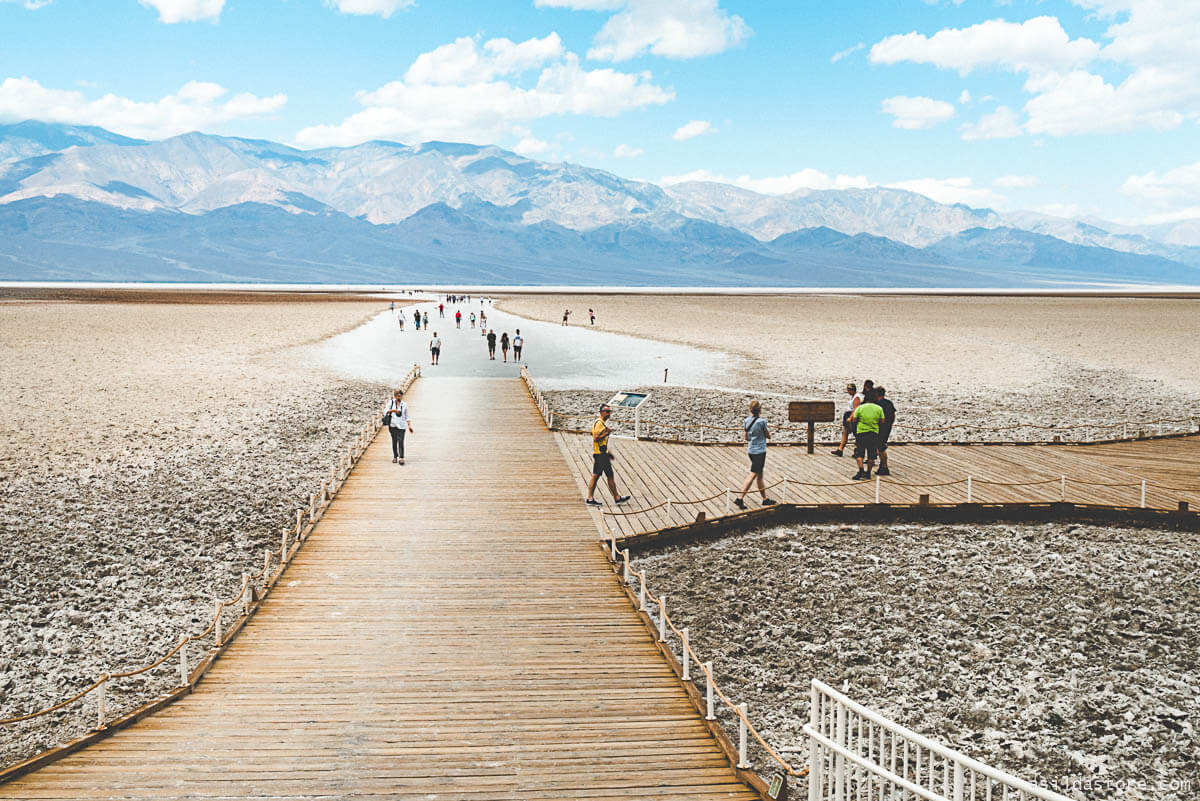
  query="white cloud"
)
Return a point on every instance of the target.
[
  {"x": 964, "y": 97},
  {"x": 384, "y": 8},
  {"x": 32, "y": 5},
  {"x": 838, "y": 56},
  {"x": 1036, "y": 45},
  {"x": 469, "y": 92},
  {"x": 1179, "y": 215},
  {"x": 170, "y": 11},
  {"x": 669, "y": 28},
  {"x": 807, "y": 178},
  {"x": 195, "y": 106},
  {"x": 624, "y": 151},
  {"x": 531, "y": 146},
  {"x": 1179, "y": 184},
  {"x": 1003, "y": 123},
  {"x": 951, "y": 190},
  {"x": 1017, "y": 181},
  {"x": 914, "y": 113},
  {"x": 693, "y": 129},
  {"x": 1151, "y": 44}
]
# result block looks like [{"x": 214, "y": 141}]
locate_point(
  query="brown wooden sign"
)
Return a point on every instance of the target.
[{"x": 810, "y": 412}]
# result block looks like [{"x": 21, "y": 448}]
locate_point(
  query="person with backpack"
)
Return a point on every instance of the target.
[
  {"x": 757, "y": 435},
  {"x": 398, "y": 422},
  {"x": 518, "y": 342}
]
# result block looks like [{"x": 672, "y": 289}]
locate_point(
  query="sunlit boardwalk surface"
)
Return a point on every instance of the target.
[
  {"x": 1107, "y": 475},
  {"x": 450, "y": 630}
]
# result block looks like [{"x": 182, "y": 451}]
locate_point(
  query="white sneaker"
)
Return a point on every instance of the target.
[{"x": 401, "y": 461}]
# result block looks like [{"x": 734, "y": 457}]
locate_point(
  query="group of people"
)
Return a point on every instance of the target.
[
  {"x": 869, "y": 416},
  {"x": 517, "y": 342},
  {"x": 566, "y": 318}
]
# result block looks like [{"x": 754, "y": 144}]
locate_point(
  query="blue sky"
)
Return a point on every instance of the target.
[{"x": 1078, "y": 107}]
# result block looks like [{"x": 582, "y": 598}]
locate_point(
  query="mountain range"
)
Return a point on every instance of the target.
[{"x": 82, "y": 203}]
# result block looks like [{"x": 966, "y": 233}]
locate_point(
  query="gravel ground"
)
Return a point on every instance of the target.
[
  {"x": 1065, "y": 654},
  {"x": 124, "y": 518}
]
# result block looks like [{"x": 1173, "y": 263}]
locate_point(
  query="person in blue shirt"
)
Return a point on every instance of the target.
[{"x": 756, "y": 439}]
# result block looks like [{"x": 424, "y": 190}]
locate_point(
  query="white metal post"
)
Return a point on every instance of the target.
[
  {"x": 742, "y": 762},
  {"x": 626, "y": 577},
  {"x": 839, "y": 766},
  {"x": 816, "y": 757},
  {"x": 1143, "y": 501},
  {"x": 662, "y": 618},
  {"x": 968, "y": 489},
  {"x": 708, "y": 692},
  {"x": 687, "y": 657},
  {"x": 183, "y": 662},
  {"x": 877, "y": 479},
  {"x": 101, "y": 701},
  {"x": 613, "y": 540},
  {"x": 642, "y": 591},
  {"x": 958, "y": 782}
]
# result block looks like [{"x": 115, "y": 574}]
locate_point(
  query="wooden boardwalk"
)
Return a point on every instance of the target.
[
  {"x": 450, "y": 630},
  {"x": 1109, "y": 474}
]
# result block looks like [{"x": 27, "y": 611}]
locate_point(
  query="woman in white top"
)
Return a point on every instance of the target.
[
  {"x": 855, "y": 398},
  {"x": 400, "y": 423}
]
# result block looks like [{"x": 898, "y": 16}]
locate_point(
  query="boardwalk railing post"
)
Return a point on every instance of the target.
[
  {"x": 742, "y": 762},
  {"x": 283, "y": 547},
  {"x": 637, "y": 423},
  {"x": 662, "y": 618},
  {"x": 101, "y": 701},
  {"x": 877, "y": 480},
  {"x": 816, "y": 759},
  {"x": 642, "y": 591},
  {"x": 183, "y": 662},
  {"x": 626, "y": 577},
  {"x": 839, "y": 762},
  {"x": 708, "y": 690},
  {"x": 1143, "y": 501},
  {"x": 686, "y": 657},
  {"x": 968, "y": 489},
  {"x": 299, "y": 522},
  {"x": 613, "y": 536}
]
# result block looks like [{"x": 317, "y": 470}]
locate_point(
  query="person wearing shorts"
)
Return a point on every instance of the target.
[
  {"x": 867, "y": 419},
  {"x": 847, "y": 427},
  {"x": 518, "y": 342},
  {"x": 602, "y": 458},
  {"x": 435, "y": 348},
  {"x": 491, "y": 340},
  {"x": 885, "y": 429},
  {"x": 756, "y": 447}
]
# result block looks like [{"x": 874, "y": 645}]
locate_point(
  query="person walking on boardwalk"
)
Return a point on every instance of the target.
[
  {"x": 847, "y": 428},
  {"x": 400, "y": 319},
  {"x": 435, "y": 348},
  {"x": 602, "y": 458},
  {"x": 417, "y": 321},
  {"x": 491, "y": 339},
  {"x": 425, "y": 321},
  {"x": 398, "y": 424},
  {"x": 756, "y": 446},
  {"x": 504, "y": 345},
  {"x": 867, "y": 419},
  {"x": 518, "y": 342},
  {"x": 885, "y": 429}
]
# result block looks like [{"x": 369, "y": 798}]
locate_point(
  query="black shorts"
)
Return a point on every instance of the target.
[
  {"x": 517, "y": 349},
  {"x": 866, "y": 443},
  {"x": 846, "y": 424},
  {"x": 602, "y": 464},
  {"x": 885, "y": 432},
  {"x": 435, "y": 351},
  {"x": 757, "y": 460}
]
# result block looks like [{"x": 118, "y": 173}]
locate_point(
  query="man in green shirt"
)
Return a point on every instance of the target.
[{"x": 866, "y": 419}]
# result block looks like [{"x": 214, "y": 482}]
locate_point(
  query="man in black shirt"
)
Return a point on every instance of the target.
[
  {"x": 491, "y": 340},
  {"x": 885, "y": 429}
]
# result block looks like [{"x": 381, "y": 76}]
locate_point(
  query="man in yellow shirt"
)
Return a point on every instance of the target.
[{"x": 602, "y": 458}]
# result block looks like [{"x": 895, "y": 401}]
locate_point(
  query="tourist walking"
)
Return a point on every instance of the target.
[
  {"x": 400, "y": 319},
  {"x": 482, "y": 317},
  {"x": 592, "y": 316},
  {"x": 417, "y": 320},
  {"x": 602, "y": 458},
  {"x": 442, "y": 310},
  {"x": 425, "y": 320},
  {"x": 867, "y": 419},
  {"x": 504, "y": 345},
  {"x": 518, "y": 342},
  {"x": 852, "y": 401},
  {"x": 491, "y": 340},
  {"x": 566, "y": 315},
  {"x": 398, "y": 423},
  {"x": 435, "y": 348},
  {"x": 472, "y": 319},
  {"x": 756, "y": 446},
  {"x": 885, "y": 429},
  {"x": 458, "y": 318}
]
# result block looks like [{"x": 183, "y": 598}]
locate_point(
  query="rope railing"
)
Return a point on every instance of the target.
[
  {"x": 879, "y": 482},
  {"x": 688, "y": 655},
  {"x": 254, "y": 587}
]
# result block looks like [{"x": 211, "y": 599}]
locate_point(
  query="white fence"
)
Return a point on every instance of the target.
[{"x": 855, "y": 753}]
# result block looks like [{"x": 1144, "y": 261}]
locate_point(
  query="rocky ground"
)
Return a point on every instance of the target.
[
  {"x": 1066, "y": 654},
  {"x": 123, "y": 518}
]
